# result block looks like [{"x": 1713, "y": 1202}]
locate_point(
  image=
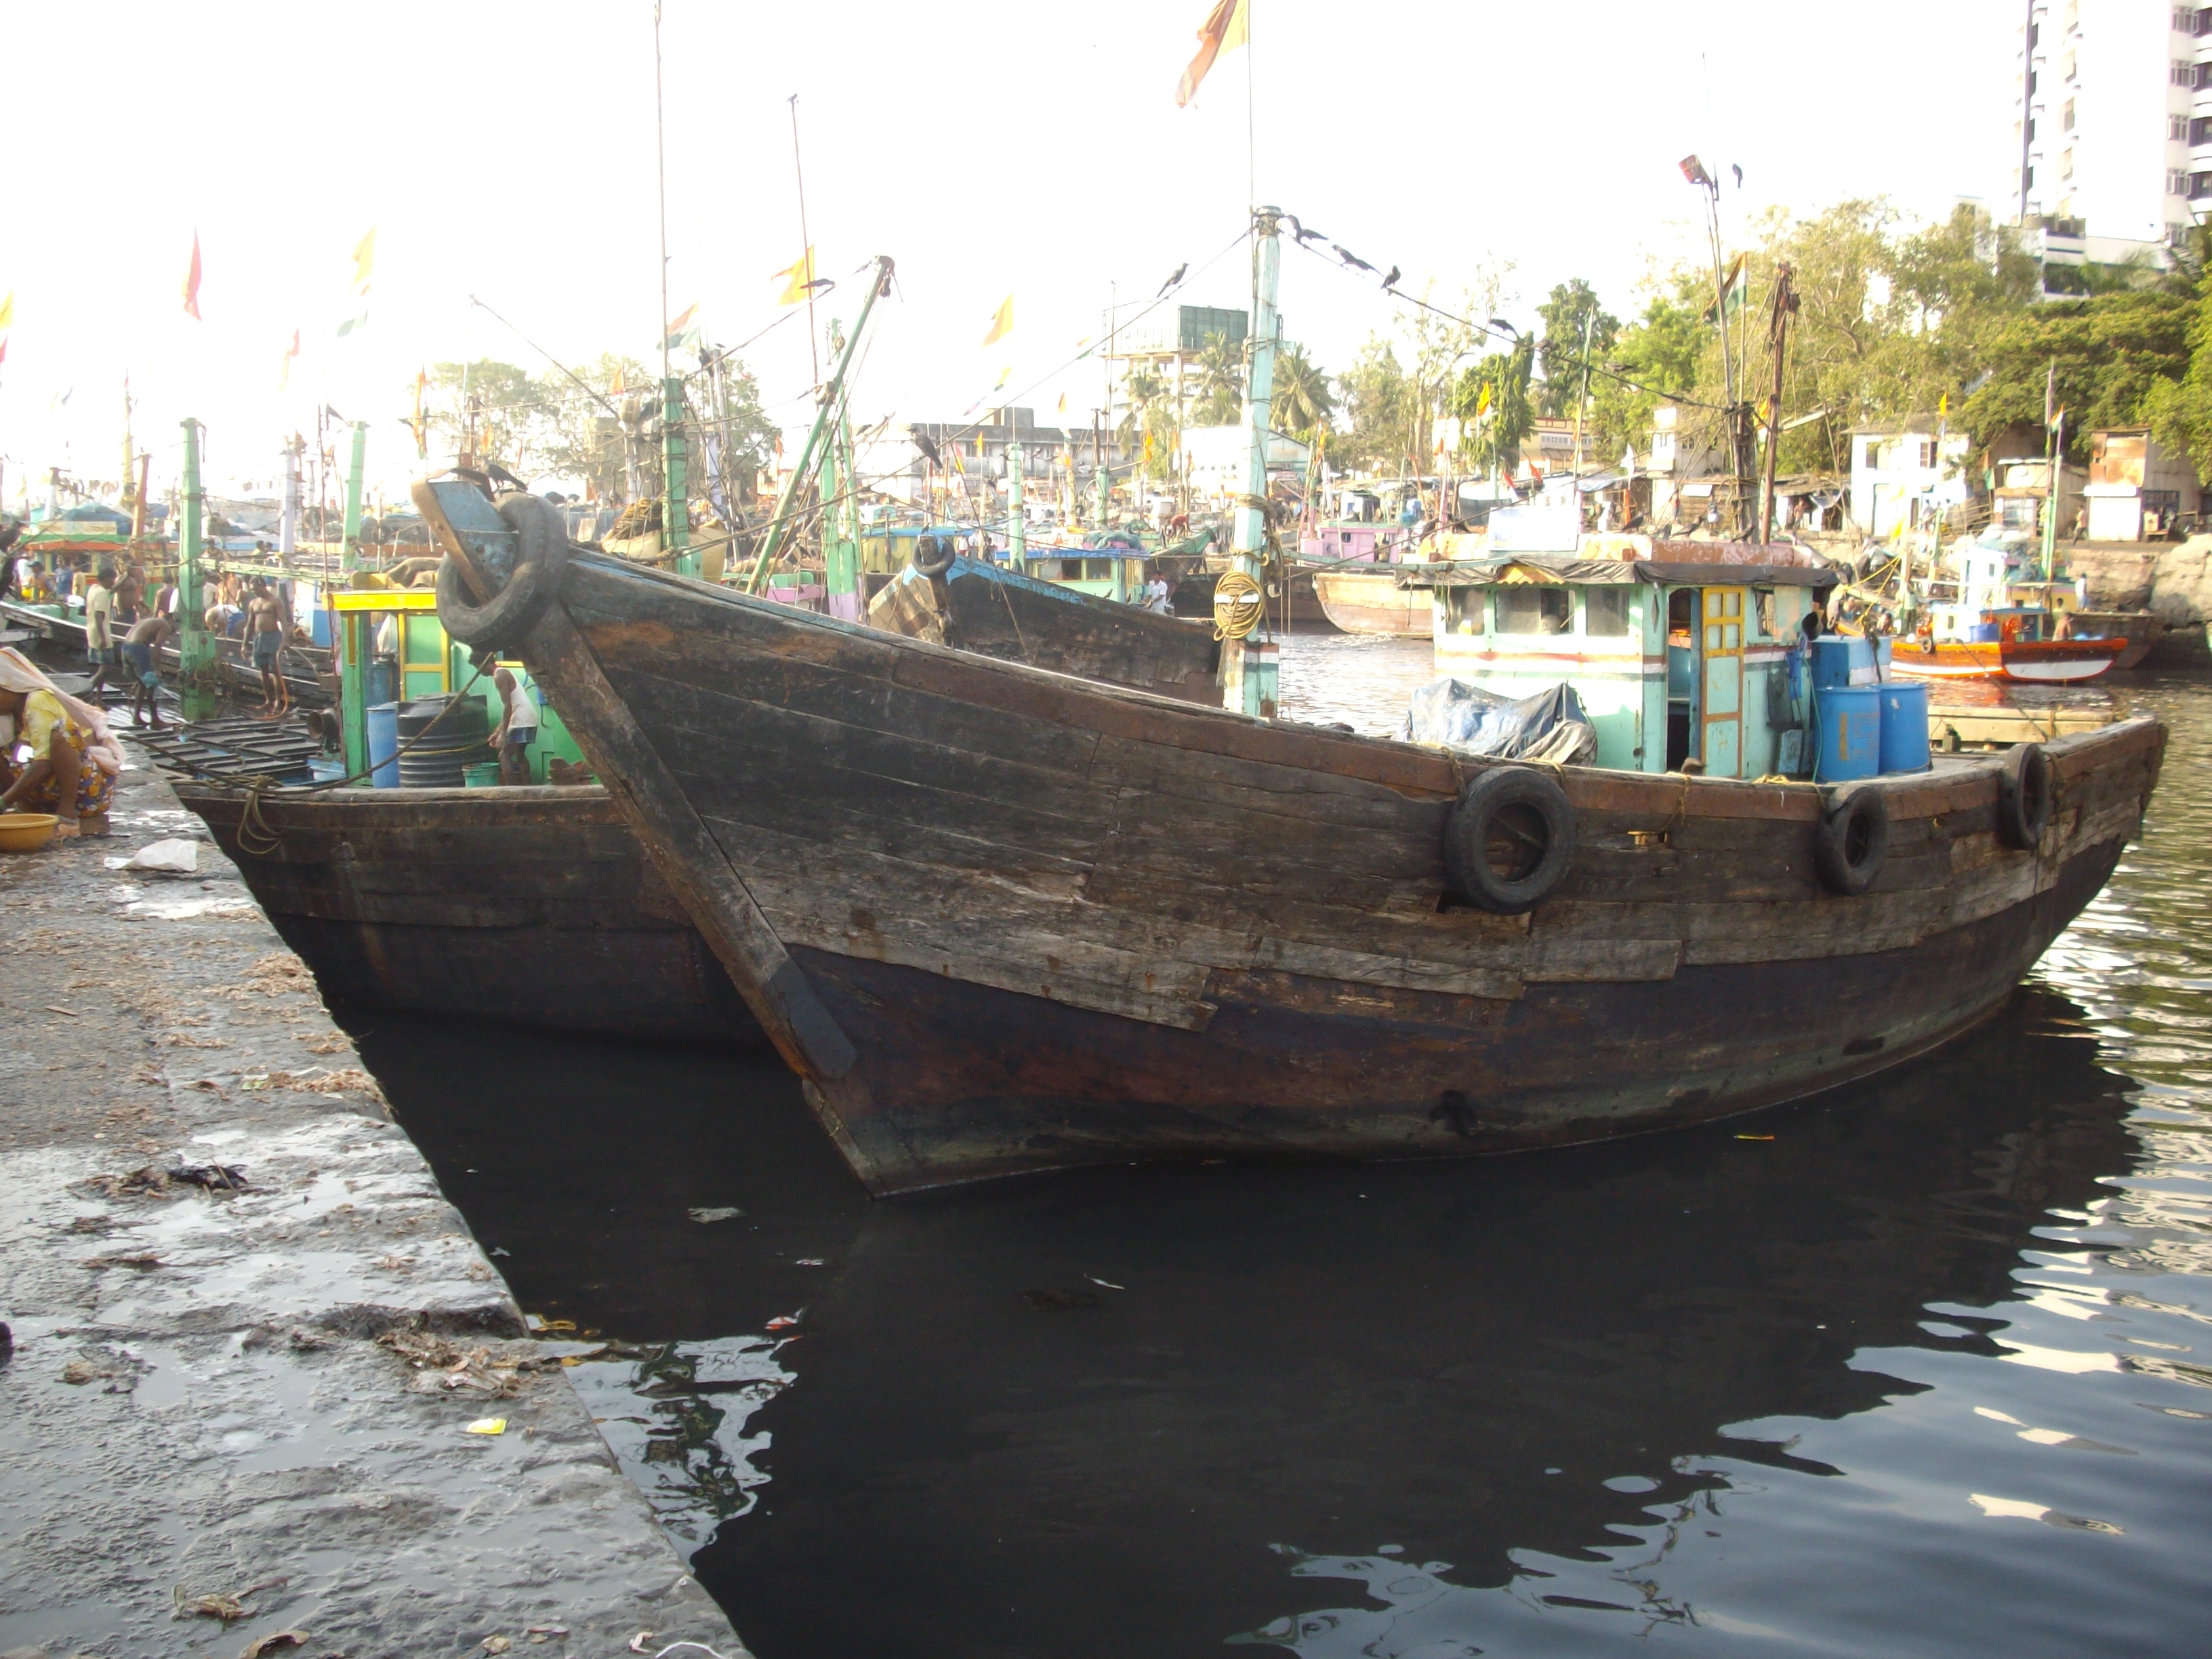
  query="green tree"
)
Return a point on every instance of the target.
[
  {"x": 2179, "y": 408},
  {"x": 1220, "y": 366},
  {"x": 1492, "y": 397},
  {"x": 1151, "y": 414},
  {"x": 1303, "y": 404},
  {"x": 1572, "y": 307},
  {"x": 497, "y": 401},
  {"x": 2115, "y": 357},
  {"x": 1654, "y": 360},
  {"x": 1376, "y": 397}
]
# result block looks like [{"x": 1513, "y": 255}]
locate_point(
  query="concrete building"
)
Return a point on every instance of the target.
[
  {"x": 2137, "y": 488},
  {"x": 2113, "y": 128},
  {"x": 1901, "y": 475}
]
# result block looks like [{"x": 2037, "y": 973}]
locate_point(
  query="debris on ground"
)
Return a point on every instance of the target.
[
  {"x": 142, "y": 1262},
  {"x": 716, "y": 1212},
  {"x": 78, "y": 1373},
  {"x": 225, "y": 1607},
  {"x": 176, "y": 857},
  {"x": 487, "y": 1426},
  {"x": 283, "y": 1638},
  {"x": 442, "y": 1365},
  {"x": 152, "y": 1179},
  {"x": 351, "y": 1080}
]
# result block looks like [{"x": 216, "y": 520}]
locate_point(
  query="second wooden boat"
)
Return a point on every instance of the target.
[
  {"x": 1368, "y": 600},
  {"x": 1002, "y": 921},
  {"x": 2026, "y": 662},
  {"x": 975, "y": 606},
  {"x": 531, "y": 906}
]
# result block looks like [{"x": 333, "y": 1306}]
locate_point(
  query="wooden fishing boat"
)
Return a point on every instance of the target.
[
  {"x": 2027, "y": 662},
  {"x": 2141, "y": 630},
  {"x": 977, "y": 606},
  {"x": 1001, "y": 919},
  {"x": 1370, "y": 601},
  {"x": 529, "y": 905}
]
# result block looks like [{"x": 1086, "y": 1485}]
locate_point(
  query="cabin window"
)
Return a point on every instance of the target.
[
  {"x": 1534, "y": 609},
  {"x": 1465, "y": 609},
  {"x": 1764, "y": 615},
  {"x": 1098, "y": 570},
  {"x": 1605, "y": 612}
]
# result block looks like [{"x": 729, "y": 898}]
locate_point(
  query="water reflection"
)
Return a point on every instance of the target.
[{"x": 1927, "y": 1371}]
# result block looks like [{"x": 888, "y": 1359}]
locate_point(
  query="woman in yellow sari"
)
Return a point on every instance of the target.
[{"x": 69, "y": 758}]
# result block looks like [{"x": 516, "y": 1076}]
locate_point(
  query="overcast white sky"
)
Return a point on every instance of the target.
[{"x": 507, "y": 151}]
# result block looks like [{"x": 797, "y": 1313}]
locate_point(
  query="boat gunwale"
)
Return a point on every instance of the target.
[{"x": 1413, "y": 769}]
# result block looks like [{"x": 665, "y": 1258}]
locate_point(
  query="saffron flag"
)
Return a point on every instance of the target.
[
  {"x": 364, "y": 259},
  {"x": 797, "y": 281},
  {"x": 681, "y": 328},
  {"x": 284, "y": 380},
  {"x": 1003, "y": 324},
  {"x": 619, "y": 387},
  {"x": 192, "y": 282},
  {"x": 1227, "y": 26},
  {"x": 6, "y": 314},
  {"x": 1482, "y": 403},
  {"x": 422, "y": 433}
]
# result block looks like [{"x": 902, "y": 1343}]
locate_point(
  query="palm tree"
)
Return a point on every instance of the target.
[
  {"x": 1304, "y": 405},
  {"x": 1220, "y": 380}
]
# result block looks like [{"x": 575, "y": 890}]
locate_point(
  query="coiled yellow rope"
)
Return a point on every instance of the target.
[{"x": 1238, "y": 604}]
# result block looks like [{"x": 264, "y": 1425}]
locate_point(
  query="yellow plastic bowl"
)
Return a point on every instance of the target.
[{"x": 25, "y": 832}]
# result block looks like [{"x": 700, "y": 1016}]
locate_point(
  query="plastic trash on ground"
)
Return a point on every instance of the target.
[
  {"x": 178, "y": 857},
  {"x": 1469, "y": 720}
]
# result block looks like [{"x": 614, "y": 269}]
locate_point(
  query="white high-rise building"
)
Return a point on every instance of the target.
[{"x": 2110, "y": 95}]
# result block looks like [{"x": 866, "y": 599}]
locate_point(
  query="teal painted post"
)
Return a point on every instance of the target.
[
  {"x": 1018, "y": 529},
  {"x": 676, "y": 475},
  {"x": 841, "y": 547},
  {"x": 349, "y": 552},
  {"x": 353, "y": 687},
  {"x": 196, "y": 657}
]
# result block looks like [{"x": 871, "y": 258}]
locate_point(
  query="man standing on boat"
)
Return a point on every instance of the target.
[
  {"x": 518, "y": 728},
  {"x": 264, "y": 623}
]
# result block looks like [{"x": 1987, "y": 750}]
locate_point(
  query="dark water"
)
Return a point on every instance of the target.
[{"x": 1929, "y": 1371}]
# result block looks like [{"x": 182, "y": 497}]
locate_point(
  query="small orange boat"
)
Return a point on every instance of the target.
[{"x": 2031, "y": 662}]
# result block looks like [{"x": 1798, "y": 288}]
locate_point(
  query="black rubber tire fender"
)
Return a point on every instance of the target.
[
  {"x": 2024, "y": 796},
  {"x": 934, "y": 555},
  {"x": 541, "y": 556},
  {"x": 1503, "y": 806},
  {"x": 1850, "y": 843}
]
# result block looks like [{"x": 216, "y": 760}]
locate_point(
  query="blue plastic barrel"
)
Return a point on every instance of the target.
[
  {"x": 1904, "y": 726},
  {"x": 1832, "y": 660},
  {"x": 1985, "y": 633},
  {"x": 1848, "y": 720},
  {"x": 384, "y": 744}
]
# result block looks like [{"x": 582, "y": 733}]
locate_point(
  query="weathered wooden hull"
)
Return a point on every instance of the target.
[
  {"x": 1000, "y": 613},
  {"x": 2033, "y": 662},
  {"x": 1371, "y": 602},
  {"x": 1002, "y": 922},
  {"x": 529, "y": 905}
]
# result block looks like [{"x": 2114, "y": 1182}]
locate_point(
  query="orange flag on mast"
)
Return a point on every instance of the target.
[
  {"x": 1227, "y": 26},
  {"x": 192, "y": 282},
  {"x": 1002, "y": 322}
]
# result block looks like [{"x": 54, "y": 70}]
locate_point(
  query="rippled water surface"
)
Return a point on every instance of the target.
[{"x": 1928, "y": 1372}]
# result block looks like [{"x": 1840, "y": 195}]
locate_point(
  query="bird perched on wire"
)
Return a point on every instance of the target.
[
  {"x": 1391, "y": 280},
  {"x": 1351, "y": 258},
  {"x": 1301, "y": 233},
  {"x": 1173, "y": 279},
  {"x": 927, "y": 446}
]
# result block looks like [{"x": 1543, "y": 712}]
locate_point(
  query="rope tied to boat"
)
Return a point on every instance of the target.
[{"x": 1239, "y": 601}]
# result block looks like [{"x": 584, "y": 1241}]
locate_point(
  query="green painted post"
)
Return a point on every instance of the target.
[
  {"x": 1104, "y": 488},
  {"x": 349, "y": 550},
  {"x": 1018, "y": 529},
  {"x": 1251, "y": 667},
  {"x": 196, "y": 657},
  {"x": 841, "y": 545},
  {"x": 676, "y": 491},
  {"x": 357, "y": 646}
]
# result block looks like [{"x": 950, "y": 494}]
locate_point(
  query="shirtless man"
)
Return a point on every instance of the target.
[
  {"x": 264, "y": 626},
  {"x": 146, "y": 636}
]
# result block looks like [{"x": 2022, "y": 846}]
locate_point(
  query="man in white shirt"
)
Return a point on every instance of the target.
[
  {"x": 518, "y": 728},
  {"x": 99, "y": 645}
]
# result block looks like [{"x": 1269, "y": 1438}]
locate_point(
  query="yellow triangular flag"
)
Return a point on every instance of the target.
[
  {"x": 796, "y": 279},
  {"x": 364, "y": 259},
  {"x": 1482, "y": 403},
  {"x": 8, "y": 311},
  {"x": 1003, "y": 324},
  {"x": 1943, "y": 404}
]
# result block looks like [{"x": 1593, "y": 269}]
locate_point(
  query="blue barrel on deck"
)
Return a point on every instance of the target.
[
  {"x": 1903, "y": 726},
  {"x": 1849, "y": 718},
  {"x": 384, "y": 744}
]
